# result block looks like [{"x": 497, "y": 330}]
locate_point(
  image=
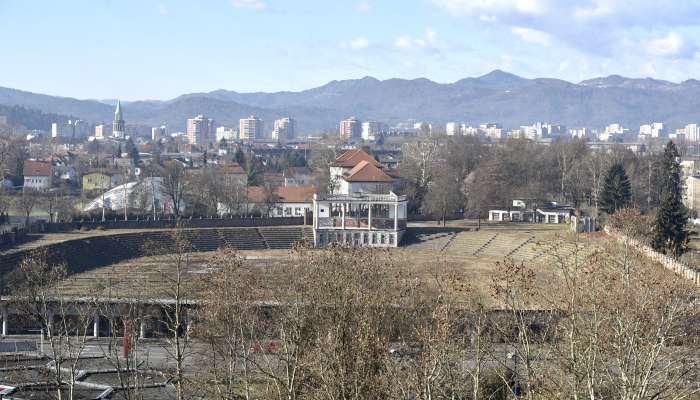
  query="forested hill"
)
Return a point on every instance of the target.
[{"x": 31, "y": 118}]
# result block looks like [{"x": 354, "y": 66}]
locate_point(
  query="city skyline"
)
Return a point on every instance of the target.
[{"x": 138, "y": 50}]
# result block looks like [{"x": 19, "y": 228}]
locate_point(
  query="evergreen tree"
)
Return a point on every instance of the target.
[
  {"x": 617, "y": 190},
  {"x": 670, "y": 235},
  {"x": 133, "y": 151},
  {"x": 239, "y": 156}
]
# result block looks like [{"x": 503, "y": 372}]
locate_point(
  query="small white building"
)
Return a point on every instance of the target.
[
  {"x": 362, "y": 210},
  {"x": 140, "y": 195},
  {"x": 531, "y": 211}
]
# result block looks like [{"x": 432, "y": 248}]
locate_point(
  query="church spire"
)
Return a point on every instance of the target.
[
  {"x": 118, "y": 111},
  {"x": 118, "y": 123}
]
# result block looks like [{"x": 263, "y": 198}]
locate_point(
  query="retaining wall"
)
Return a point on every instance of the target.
[{"x": 56, "y": 227}]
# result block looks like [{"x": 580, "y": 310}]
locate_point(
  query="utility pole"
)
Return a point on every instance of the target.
[
  {"x": 153, "y": 196},
  {"x": 103, "y": 200},
  {"x": 126, "y": 197},
  {"x": 649, "y": 188}
]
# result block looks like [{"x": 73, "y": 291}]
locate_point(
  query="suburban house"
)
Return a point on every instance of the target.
[
  {"x": 232, "y": 174},
  {"x": 270, "y": 201},
  {"x": 297, "y": 176},
  {"x": 281, "y": 201},
  {"x": 541, "y": 212},
  {"x": 362, "y": 210},
  {"x": 274, "y": 179},
  {"x": 38, "y": 175},
  {"x": 100, "y": 180}
]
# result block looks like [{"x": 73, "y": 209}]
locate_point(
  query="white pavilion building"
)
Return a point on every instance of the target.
[{"x": 362, "y": 209}]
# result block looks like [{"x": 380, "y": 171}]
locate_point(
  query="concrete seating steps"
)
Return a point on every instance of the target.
[
  {"x": 485, "y": 245},
  {"x": 521, "y": 246},
  {"x": 84, "y": 253},
  {"x": 281, "y": 238},
  {"x": 468, "y": 243}
]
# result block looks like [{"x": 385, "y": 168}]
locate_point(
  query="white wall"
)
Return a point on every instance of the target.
[{"x": 37, "y": 182}]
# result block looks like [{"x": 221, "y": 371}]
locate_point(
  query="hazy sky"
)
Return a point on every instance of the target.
[{"x": 158, "y": 49}]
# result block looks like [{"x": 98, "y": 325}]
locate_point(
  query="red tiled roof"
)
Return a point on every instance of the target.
[
  {"x": 293, "y": 171},
  {"x": 231, "y": 168},
  {"x": 297, "y": 194},
  {"x": 37, "y": 168},
  {"x": 353, "y": 157},
  {"x": 366, "y": 172}
]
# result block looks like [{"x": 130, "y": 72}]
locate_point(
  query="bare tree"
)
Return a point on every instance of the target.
[
  {"x": 64, "y": 322},
  {"x": 175, "y": 185},
  {"x": 418, "y": 168},
  {"x": 445, "y": 194},
  {"x": 26, "y": 202},
  {"x": 228, "y": 325},
  {"x": 176, "y": 302}
]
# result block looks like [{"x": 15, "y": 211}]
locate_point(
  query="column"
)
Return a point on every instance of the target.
[
  {"x": 315, "y": 214},
  {"x": 96, "y": 326},
  {"x": 342, "y": 215},
  {"x": 4, "y": 321},
  {"x": 49, "y": 323},
  {"x": 396, "y": 216},
  {"x": 142, "y": 328},
  {"x": 369, "y": 218}
]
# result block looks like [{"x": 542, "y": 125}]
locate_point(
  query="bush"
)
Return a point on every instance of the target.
[{"x": 632, "y": 223}]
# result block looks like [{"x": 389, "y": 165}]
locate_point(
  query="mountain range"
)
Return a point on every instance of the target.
[{"x": 495, "y": 97}]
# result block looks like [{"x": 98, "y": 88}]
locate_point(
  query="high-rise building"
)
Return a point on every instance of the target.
[
  {"x": 250, "y": 128},
  {"x": 492, "y": 130},
  {"x": 101, "y": 131},
  {"x": 228, "y": 134},
  {"x": 350, "y": 128},
  {"x": 652, "y": 130},
  {"x": 371, "y": 129},
  {"x": 157, "y": 133},
  {"x": 73, "y": 129},
  {"x": 692, "y": 133},
  {"x": 200, "y": 130},
  {"x": 284, "y": 129},
  {"x": 453, "y": 128},
  {"x": 118, "y": 129}
]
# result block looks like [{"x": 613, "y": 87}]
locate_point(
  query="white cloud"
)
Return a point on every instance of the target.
[
  {"x": 672, "y": 45},
  {"x": 599, "y": 27},
  {"x": 249, "y": 4},
  {"x": 429, "y": 42},
  {"x": 358, "y": 43},
  {"x": 364, "y": 6},
  {"x": 162, "y": 9},
  {"x": 490, "y": 7},
  {"x": 532, "y": 36}
]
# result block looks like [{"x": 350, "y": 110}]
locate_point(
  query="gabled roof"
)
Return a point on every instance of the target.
[
  {"x": 231, "y": 168},
  {"x": 351, "y": 158},
  {"x": 297, "y": 194},
  {"x": 366, "y": 172},
  {"x": 294, "y": 171},
  {"x": 37, "y": 168}
]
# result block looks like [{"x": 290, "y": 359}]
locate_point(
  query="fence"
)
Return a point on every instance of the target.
[
  {"x": 11, "y": 235},
  {"x": 54, "y": 227},
  {"x": 668, "y": 262}
]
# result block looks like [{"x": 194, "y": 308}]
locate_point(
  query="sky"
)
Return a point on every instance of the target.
[{"x": 159, "y": 49}]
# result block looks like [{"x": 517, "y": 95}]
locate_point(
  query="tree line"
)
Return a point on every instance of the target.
[{"x": 448, "y": 174}]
